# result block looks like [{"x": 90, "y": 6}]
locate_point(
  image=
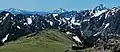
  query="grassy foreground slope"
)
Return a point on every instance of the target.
[{"x": 45, "y": 41}]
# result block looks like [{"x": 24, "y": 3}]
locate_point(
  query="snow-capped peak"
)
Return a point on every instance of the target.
[
  {"x": 62, "y": 10},
  {"x": 99, "y": 13},
  {"x": 58, "y": 11},
  {"x": 100, "y": 7},
  {"x": 14, "y": 11}
]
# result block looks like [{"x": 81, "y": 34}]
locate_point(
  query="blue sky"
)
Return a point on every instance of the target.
[{"x": 47, "y": 5}]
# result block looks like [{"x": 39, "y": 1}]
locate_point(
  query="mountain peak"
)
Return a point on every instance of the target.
[
  {"x": 14, "y": 11},
  {"x": 58, "y": 11},
  {"x": 62, "y": 9},
  {"x": 100, "y": 7},
  {"x": 11, "y": 9}
]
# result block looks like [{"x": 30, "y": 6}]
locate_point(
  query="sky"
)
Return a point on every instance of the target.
[{"x": 47, "y": 5}]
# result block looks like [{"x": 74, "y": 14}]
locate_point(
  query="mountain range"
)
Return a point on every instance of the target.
[
  {"x": 19, "y": 11},
  {"x": 90, "y": 24}
]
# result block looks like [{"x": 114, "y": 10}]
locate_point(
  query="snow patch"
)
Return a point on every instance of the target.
[
  {"x": 67, "y": 18},
  {"x": 13, "y": 23},
  {"x": 4, "y": 39},
  {"x": 63, "y": 11},
  {"x": 43, "y": 28},
  {"x": 73, "y": 21},
  {"x": 63, "y": 20},
  {"x": 54, "y": 15},
  {"x": 32, "y": 16},
  {"x": 100, "y": 17},
  {"x": 29, "y": 20},
  {"x": 18, "y": 27},
  {"x": 12, "y": 18},
  {"x": 106, "y": 15},
  {"x": 6, "y": 15},
  {"x": 97, "y": 34},
  {"x": 76, "y": 23},
  {"x": 0, "y": 21},
  {"x": 107, "y": 25},
  {"x": 86, "y": 20},
  {"x": 99, "y": 13},
  {"x": 68, "y": 33},
  {"x": 76, "y": 39},
  {"x": 25, "y": 23},
  {"x": 51, "y": 23}
]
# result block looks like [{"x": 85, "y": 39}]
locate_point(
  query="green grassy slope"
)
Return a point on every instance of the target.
[{"x": 45, "y": 41}]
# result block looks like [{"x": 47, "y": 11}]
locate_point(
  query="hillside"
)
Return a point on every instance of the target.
[{"x": 45, "y": 41}]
